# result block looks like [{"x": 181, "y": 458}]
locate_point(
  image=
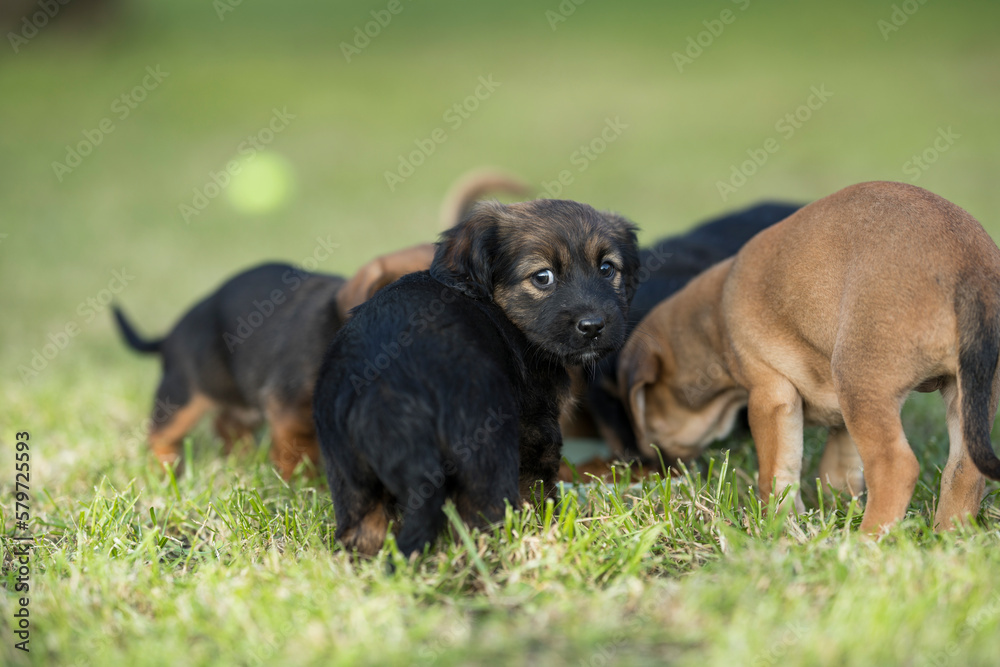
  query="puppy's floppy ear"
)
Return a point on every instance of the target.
[
  {"x": 629, "y": 247},
  {"x": 466, "y": 254},
  {"x": 638, "y": 366}
]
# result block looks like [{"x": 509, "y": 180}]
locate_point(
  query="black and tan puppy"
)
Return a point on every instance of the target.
[
  {"x": 251, "y": 350},
  {"x": 449, "y": 383},
  {"x": 664, "y": 268},
  {"x": 832, "y": 317}
]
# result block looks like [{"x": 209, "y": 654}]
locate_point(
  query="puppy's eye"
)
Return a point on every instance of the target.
[
  {"x": 607, "y": 270},
  {"x": 543, "y": 278}
]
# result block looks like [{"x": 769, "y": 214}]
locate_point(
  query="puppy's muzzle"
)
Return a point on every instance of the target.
[{"x": 590, "y": 326}]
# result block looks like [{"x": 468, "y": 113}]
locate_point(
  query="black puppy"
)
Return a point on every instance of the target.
[
  {"x": 665, "y": 268},
  {"x": 449, "y": 383},
  {"x": 249, "y": 350}
]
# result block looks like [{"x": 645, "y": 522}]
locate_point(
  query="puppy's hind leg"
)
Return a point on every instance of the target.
[
  {"x": 486, "y": 484},
  {"x": 359, "y": 508},
  {"x": 962, "y": 485},
  {"x": 841, "y": 467},
  {"x": 171, "y": 421},
  {"x": 426, "y": 490},
  {"x": 891, "y": 469},
  {"x": 234, "y": 426},
  {"x": 293, "y": 437}
]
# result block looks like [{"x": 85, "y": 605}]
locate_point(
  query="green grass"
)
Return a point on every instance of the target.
[{"x": 230, "y": 565}]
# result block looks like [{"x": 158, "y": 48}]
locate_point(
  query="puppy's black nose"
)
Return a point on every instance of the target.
[{"x": 590, "y": 327}]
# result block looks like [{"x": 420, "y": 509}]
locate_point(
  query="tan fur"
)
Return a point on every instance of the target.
[
  {"x": 293, "y": 438},
  {"x": 381, "y": 271},
  {"x": 574, "y": 420},
  {"x": 475, "y": 185},
  {"x": 236, "y": 427},
  {"x": 165, "y": 439},
  {"x": 841, "y": 467},
  {"x": 831, "y": 317},
  {"x": 368, "y": 535}
]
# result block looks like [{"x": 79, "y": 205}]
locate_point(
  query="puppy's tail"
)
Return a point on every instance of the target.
[
  {"x": 978, "y": 350},
  {"x": 473, "y": 186},
  {"x": 132, "y": 339}
]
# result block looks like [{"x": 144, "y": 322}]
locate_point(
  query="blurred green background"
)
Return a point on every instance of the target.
[{"x": 229, "y": 65}]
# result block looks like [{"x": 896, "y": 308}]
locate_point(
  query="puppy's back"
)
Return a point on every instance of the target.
[
  {"x": 415, "y": 402},
  {"x": 417, "y": 336},
  {"x": 202, "y": 345},
  {"x": 277, "y": 329},
  {"x": 262, "y": 331},
  {"x": 879, "y": 248}
]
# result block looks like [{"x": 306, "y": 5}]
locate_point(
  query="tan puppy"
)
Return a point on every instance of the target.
[
  {"x": 832, "y": 317},
  {"x": 388, "y": 268},
  {"x": 381, "y": 271}
]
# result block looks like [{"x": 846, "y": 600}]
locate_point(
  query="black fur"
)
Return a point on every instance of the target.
[
  {"x": 132, "y": 337},
  {"x": 252, "y": 344},
  {"x": 665, "y": 268},
  {"x": 979, "y": 346},
  {"x": 449, "y": 383}
]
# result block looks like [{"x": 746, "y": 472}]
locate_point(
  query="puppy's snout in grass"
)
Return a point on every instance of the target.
[{"x": 806, "y": 326}]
